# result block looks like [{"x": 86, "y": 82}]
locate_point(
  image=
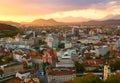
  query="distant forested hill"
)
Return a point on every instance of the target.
[{"x": 8, "y": 30}]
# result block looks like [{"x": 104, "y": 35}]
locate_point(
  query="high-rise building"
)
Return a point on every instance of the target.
[{"x": 75, "y": 31}]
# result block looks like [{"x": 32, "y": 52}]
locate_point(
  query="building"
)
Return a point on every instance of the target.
[
  {"x": 101, "y": 48},
  {"x": 11, "y": 67},
  {"x": 61, "y": 75},
  {"x": 52, "y": 41},
  {"x": 50, "y": 56},
  {"x": 91, "y": 64},
  {"x": 36, "y": 59},
  {"x": 23, "y": 74},
  {"x": 118, "y": 44},
  {"x": 26, "y": 80},
  {"x": 75, "y": 31},
  {"x": 106, "y": 72},
  {"x": 31, "y": 80}
]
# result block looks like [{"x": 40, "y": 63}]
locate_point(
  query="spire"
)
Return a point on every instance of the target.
[{"x": 106, "y": 72}]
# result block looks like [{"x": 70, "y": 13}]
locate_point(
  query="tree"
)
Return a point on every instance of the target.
[
  {"x": 41, "y": 42},
  {"x": 27, "y": 67},
  {"x": 88, "y": 57},
  {"x": 61, "y": 45},
  {"x": 107, "y": 55},
  {"x": 112, "y": 79},
  {"x": 45, "y": 65},
  {"x": 91, "y": 79},
  {"x": 88, "y": 79},
  {"x": 9, "y": 59},
  {"x": 77, "y": 80},
  {"x": 36, "y": 66},
  {"x": 79, "y": 67},
  {"x": 78, "y": 42},
  {"x": 1, "y": 72},
  {"x": 115, "y": 65}
]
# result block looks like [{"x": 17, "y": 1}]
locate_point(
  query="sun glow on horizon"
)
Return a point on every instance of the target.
[
  {"x": 84, "y": 13},
  {"x": 31, "y": 11}
]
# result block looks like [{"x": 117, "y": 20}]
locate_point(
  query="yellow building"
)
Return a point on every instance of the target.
[{"x": 106, "y": 72}]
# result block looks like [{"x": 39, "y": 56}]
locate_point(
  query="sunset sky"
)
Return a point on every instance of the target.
[{"x": 60, "y": 10}]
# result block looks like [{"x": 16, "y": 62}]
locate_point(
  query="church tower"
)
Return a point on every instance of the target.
[{"x": 106, "y": 72}]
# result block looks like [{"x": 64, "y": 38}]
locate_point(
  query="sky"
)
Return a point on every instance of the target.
[{"x": 60, "y": 10}]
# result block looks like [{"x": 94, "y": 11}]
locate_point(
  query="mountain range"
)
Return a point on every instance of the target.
[
  {"x": 52, "y": 22},
  {"x": 42, "y": 22}
]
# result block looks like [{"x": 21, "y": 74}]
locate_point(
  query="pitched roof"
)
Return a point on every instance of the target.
[
  {"x": 99, "y": 44},
  {"x": 59, "y": 72},
  {"x": 14, "y": 80}
]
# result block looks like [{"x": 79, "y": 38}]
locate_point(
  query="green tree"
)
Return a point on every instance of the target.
[
  {"x": 45, "y": 65},
  {"x": 112, "y": 79},
  {"x": 27, "y": 67},
  {"x": 1, "y": 72},
  {"x": 78, "y": 42},
  {"x": 88, "y": 79},
  {"x": 88, "y": 57},
  {"x": 79, "y": 67},
  {"x": 115, "y": 65},
  {"x": 77, "y": 80},
  {"x": 107, "y": 55},
  {"x": 61, "y": 45},
  {"x": 8, "y": 60},
  {"x": 41, "y": 42},
  {"x": 91, "y": 79}
]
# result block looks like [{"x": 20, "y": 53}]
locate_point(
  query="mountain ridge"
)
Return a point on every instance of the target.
[
  {"x": 43, "y": 22},
  {"x": 52, "y": 22}
]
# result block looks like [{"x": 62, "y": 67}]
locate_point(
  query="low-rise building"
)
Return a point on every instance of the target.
[
  {"x": 60, "y": 74},
  {"x": 11, "y": 67}
]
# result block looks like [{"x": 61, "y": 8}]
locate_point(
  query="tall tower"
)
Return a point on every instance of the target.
[
  {"x": 106, "y": 72},
  {"x": 34, "y": 38}
]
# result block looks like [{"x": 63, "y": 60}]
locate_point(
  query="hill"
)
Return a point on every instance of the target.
[
  {"x": 104, "y": 23},
  {"x": 42, "y": 22},
  {"x": 52, "y": 22},
  {"x": 8, "y": 30},
  {"x": 10, "y": 23}
]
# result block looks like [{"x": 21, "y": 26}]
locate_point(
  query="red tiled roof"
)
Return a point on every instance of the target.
[
  {"x": 117, "y": 54},
  {"x": 26, "y": 57},
  {"x": 59, "y": 72},
  {"x": 90, "y": 54},
  {"x": 117, "y": 73},
  {"x": 61, "y": 38},
  {"x": 89, "y": 74},
  {"x": 19, "y": 53},
  {"x": 114, "y": 59},
  {"x": 37, "y": 56},
  {"x": 7, "y": 55},
  {"x": 34, "y": 55},
  {"x": 99, "y": 44},
  {"x": 93, "y": 62},
  {"x": 14, "y": 80},
  {"x": 82, "y": 38}
]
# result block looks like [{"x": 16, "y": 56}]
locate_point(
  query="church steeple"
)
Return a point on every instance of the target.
[{"x": 106, "y": 72}]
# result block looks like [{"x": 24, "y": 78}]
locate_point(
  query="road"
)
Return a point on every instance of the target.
[{"x": 42, "y": 78}]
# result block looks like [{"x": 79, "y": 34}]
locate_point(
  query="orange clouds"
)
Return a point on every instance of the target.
[
  {"x": 28, "y": 12},
  {"x": 95, "y": 14}
]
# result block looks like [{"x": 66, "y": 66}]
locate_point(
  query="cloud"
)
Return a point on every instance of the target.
[
  {"x": 35, "y": 7},
  {"x": 86, "y": 13},
  {"x": 28, "y": 10}
]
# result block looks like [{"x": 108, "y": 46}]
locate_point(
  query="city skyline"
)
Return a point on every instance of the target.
[{"x": 63, "y": 11}]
